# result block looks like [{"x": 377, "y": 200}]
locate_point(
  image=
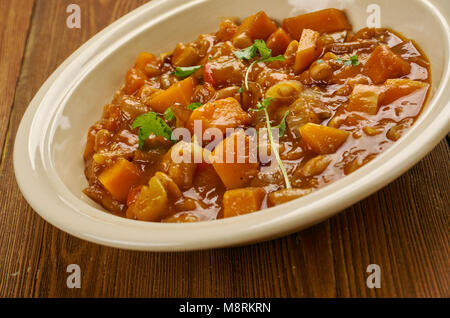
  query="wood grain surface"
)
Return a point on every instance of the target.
[{"x": 403, "y": 228}]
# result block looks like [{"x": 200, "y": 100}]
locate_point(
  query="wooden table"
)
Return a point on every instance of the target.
[{"x": 403, "y": 228}]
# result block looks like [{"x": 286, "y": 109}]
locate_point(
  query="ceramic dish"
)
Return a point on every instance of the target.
[{"x": 50, "y": 140}]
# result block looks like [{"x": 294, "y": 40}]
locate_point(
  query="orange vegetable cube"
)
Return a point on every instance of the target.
[
  {"x": 308, "y": 50},
  {"x": 180, "y": 93},
  {"x": 235, "y": 161},
  {"x": 221, "y": 114},
  {"x": 323, "y": 140},
  {"x": 365, "y": 99},
  {"x": 257, "y": 26},
  {"x": 286, "y": 195},
  {"x": 143, "y": 59},
  {"x": 134, "y": 80},
  {"x": 324, "y": 21},
  {"x": 119, "y": 178},
  {"x": 384, "y": 64},
  {"x": 398, "y": 88},
  {"x": 242, "y": 201},
  {"x": 278, "y": 42}
]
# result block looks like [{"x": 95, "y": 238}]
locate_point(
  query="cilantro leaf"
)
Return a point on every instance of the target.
[
  {"x": 151, "y": 123},
  {"x": 194, "y": 106},
  {"x": 241, "y": 90},
  {"x": 263, "y": 50},
  {"x": 273, "y": 59},
  {"x": 262, "y": 106},
  {"x": 169, "y": 114},
  {"x": 353, "y": 61},
  {"x": 282, "y": 126},
  {"x": 183, "y": 72},
  {"x": 246, "y": 54}
]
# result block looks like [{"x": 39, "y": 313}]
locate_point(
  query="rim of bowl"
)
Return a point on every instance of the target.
[{"x": 49, "y": 197}]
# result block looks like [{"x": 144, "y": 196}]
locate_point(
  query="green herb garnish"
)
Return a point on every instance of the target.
[
  {"x": 169, "y": 114},
  {"x": 282, "y": 126},
  {"x": 259, "y": 46},
  {"x": 240, "y": 90},
  {"x": 182, "y": 72},
  {"x": 353, "y": 61},
  {"x": 193, "y": 106},
  {"x": 151, "y": 123},
  {"x": 262, "y": 106}
]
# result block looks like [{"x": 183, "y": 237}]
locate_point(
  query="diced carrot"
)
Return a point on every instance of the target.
[
  {"x": 242, "y": 201},
  {"x": 397, "y": 88},
  {"x": 221, "y": 114},
  {"x": 384, "y": 64},
  {"x": 285, "y": 195},
  {"x": 234, "y": 160},
  {"x": 323, "y": 140},
  {"x": 257, "y": 26},
  {"x": 365, "y": 99},
  {"x": 180, "y": 93},
  {"x": 119, "y": 178},
  {"x": 278, "y": 42},
  {"x": 308, "y": 50},
  {"x": 134, "y": 80},
  {"x": 143, "y": 59},
  {"x": 324, "y": 21}
]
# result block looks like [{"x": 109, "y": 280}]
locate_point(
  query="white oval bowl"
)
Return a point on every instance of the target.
[{"x": 48, "y": 150}]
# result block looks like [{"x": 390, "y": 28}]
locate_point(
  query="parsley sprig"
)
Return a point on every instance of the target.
[
  {"x": 353, "y": 61},
  {"x": 247, "y": 54},
  {"x": 151, "y": 123},
  {"x": 183, "y": 72},
  {"x": 262, "y": 106}
]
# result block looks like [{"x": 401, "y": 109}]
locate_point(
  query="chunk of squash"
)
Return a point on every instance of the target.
[
  {"x": 285, "y": 195},
  {"x": 143, "y": 60},
  {"x": 324, "y": 21},
  {"x": 220, "y": 114},
  {"x": 134, "y": 80},
  {"x": 242, "y": 201},
  {"x": 365, "y": 99},
  {"x": 308, "y": 50},
  {"x": 323, "y": 140},
  {"x": 119, "y": 178},
  {"x": 384, "y": 64},
  {"x": 235, "y": 161},
  {"x": 278, "y": 42},
  {"x": 257, "y": 26},
  {"x": 180, "y": 93},
  {"x": 398, "y": 88}
]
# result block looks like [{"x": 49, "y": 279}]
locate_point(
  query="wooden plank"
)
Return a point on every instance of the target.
[
  {"x": 14, "y": 26},
  {"x": 403, "y": 228}
]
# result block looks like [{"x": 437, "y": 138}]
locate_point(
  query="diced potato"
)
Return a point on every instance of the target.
[
  {"x": 257, "y": 26},
  {"x": 119, "y": 178},
  {"x": 286, "y": 195},
  {"x": 242, "y": 201},
  {"x": 365, "y": 99},
  {"x": 301, "y": 112},
  {"x": 143, "y": 59},
  {"x": 227, "y": 30},
  {"x": 384, "y": 64},
  {"x": 220, "y": 114},
  {"x": 397, "y": 88},
  {"x": 179, "y": 164},
  {"x": 316, "y": 166},
  {"x": 324, "y": 21},
  {"x": 185, "y": 56},
  {"x": 323, "y": 140},
  {"x": 308, "y": 50},
  {"x": 152, "y": 203},
  {"x": 134, "y": 80},
  {"x": 234, "y": 160},
  {"x": 180, "y": 93},
  {"x": 278, "y": 42}
]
